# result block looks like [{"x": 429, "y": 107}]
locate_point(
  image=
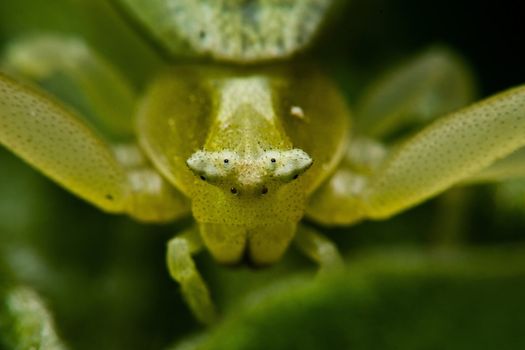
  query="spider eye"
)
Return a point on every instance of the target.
[
  {"x": 203, "y": 178},
  {"x": 226, "y": 161},
  {"x": 284, "y": 165},
  {"x": 233, "y": 190},
  {"x": 264, "y": 190}
]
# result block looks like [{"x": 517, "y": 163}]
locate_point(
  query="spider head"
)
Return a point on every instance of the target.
[{"x": 248, "y": 174}]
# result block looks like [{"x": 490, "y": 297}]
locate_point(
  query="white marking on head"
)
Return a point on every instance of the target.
[
  {"x": 228, "y": 167},
  {"x": 297, "y": 112},
  {"x": 213, "y": 165},
  {"x": 252, "y": 91},
  {"x": 287, "y": 165}
]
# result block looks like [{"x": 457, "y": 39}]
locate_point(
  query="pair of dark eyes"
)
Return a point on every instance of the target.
[
  {"x": 273, "y": 160},
  {"x": 233, "y": 190},
  {"x": 264, "y": 190}
]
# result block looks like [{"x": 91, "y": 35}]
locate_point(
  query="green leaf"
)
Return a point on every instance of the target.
[
  {"x": 26, "y": 323},
  {"x": 399, "y": 300}
]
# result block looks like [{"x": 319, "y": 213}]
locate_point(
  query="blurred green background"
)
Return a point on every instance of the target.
[{"x": 447, "y": 274}]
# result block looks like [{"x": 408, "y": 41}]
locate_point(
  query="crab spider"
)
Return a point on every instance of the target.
[{"x": 251, "y": 151}]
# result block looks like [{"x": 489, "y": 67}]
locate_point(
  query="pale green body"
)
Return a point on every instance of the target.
[
  {"x": 286, "y": 135},
  {"x": 243, "y": 115}
]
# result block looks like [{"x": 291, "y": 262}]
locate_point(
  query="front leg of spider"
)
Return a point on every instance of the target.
[
  {"x": 58, "y": 141},
  {"x": 182, "y": 269},
  {"x": 447, "y": 152},
  {"x": 318, "y": 248}
]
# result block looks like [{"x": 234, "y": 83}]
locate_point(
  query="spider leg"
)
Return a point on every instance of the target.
[
  {"x": 57, "y": 142},
  {"x": 318, "y": 248},
  {"x": 508, "y": 168},
  {"x": 182, "y": 269},
  {"x": 430, "y": 84},
  {"x": 73, "y": 72},
  {"x": 445, "y": 153}
]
